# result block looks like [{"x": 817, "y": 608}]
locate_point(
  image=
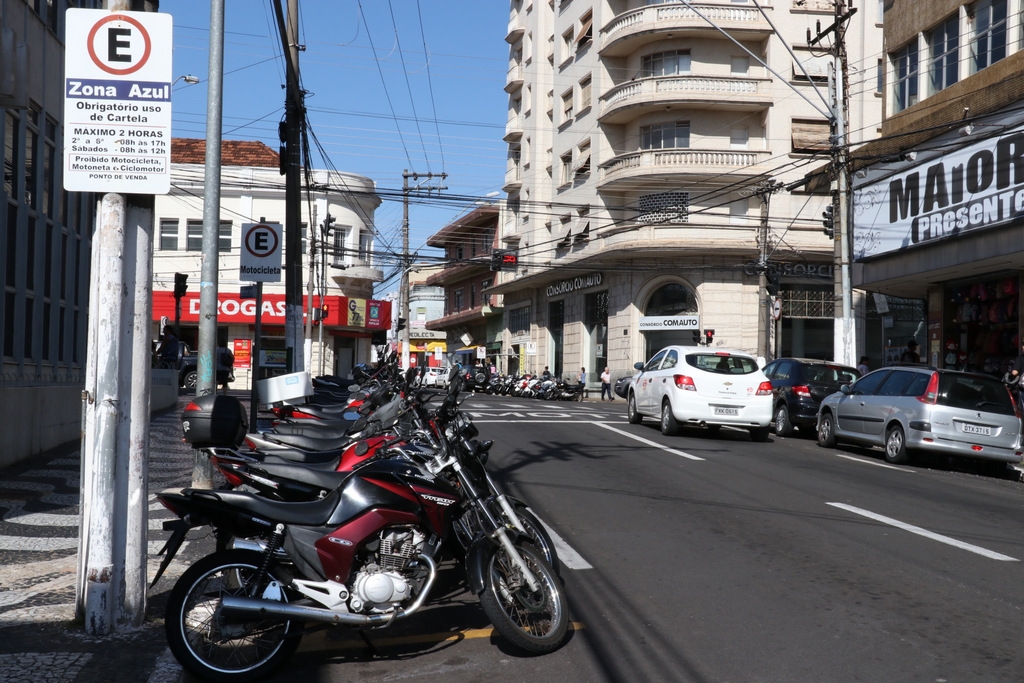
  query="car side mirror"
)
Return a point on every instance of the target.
[
  {"x": 845, "y": 389},
  {"x": 638, "y": 366}
]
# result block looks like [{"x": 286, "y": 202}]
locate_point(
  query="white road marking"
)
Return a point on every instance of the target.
[
  {"x": 567, "y": 555},
  {"x": 991, "y": 554},
  {"x": 864, "y": 461},
  {"x": 648, "y": 442}
]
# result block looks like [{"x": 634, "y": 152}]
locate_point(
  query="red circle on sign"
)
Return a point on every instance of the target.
[
  {"x": 266, "y": 252},
  {"x": 145, "y": 37}
]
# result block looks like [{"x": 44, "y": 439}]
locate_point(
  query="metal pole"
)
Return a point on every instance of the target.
[
  {"x": 403, "y": 303},
  {"x": 310, "y": 285},
  {"x": 206, "y": 365},
  {"x": 255, "y": 363}
]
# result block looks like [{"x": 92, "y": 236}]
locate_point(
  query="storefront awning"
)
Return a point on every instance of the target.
[
  {"x": 434, "y": 346},
  {"x": 467, "y": 349}
]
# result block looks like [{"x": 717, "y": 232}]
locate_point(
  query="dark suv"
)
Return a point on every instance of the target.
[{"x": 799, "y": 385}]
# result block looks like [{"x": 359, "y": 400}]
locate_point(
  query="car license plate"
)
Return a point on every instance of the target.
[
  {"x": 976, "y": 429},
  {"x": 726, "y": 410}
]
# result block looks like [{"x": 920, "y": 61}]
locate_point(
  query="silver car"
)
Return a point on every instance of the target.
[{"x": 920, "y": 409}]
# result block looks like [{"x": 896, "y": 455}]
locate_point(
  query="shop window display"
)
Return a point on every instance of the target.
[{"x": 981, "y": 330}]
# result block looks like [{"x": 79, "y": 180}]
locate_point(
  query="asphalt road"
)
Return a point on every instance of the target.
[{"x": 712, "y": 558}]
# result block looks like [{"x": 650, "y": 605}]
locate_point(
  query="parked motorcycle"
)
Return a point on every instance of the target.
[{"x": 366, "y": 555}]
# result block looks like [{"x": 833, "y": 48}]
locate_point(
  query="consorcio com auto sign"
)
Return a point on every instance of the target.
[{"x": 976, "y": 187}]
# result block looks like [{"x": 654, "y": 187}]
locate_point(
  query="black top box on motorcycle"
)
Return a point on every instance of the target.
[{"x": 214, "y": 421}]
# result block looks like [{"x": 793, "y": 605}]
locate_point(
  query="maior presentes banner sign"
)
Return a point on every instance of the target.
[{"x": 977, "y": 187}]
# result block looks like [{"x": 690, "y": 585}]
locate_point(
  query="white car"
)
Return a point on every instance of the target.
[
  {"x": 436, "y": 377},
  {"x": 702, "y": 387}
]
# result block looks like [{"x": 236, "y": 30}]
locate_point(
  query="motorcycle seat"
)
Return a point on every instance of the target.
[
  {"x": 313, "y": 513},
  {"x": 308, "y": 441},
  {"x": 324, "y": 479}
]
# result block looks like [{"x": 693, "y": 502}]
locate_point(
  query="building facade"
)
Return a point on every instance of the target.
[
  {"x": 47, "y": 236},
  {"x": 339, "y": 269},
  {"x": 648, "y": 142},
  {"x": 939, "y": 198},
  {"x": 472, "y": 315}
]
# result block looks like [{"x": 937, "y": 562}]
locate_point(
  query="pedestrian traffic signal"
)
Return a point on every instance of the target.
[
  {"x": 401, "y": 325},
  {"x": 709, "y": 335},
  {"x": 828, "y": 220},
  {"x": 772, "y": 284},
  {"x": 503, "y": 259},
  {"x": 180, "y": 285}
]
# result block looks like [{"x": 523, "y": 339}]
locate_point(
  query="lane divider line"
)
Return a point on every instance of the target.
[
  {"x": 872, "y": 462},
  {"x": 984, "y": 552},
  {"x": 648, "y": 442},
  {"x": 567, "y": 555}
]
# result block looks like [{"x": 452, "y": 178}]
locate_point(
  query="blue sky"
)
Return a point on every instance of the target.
[{"x": 392, "y": 85}]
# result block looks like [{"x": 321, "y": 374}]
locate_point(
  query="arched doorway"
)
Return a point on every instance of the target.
[{"x": 672, "y": 298}]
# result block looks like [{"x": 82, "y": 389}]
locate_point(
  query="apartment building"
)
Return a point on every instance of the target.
[
  {"x": 641, "y": 135},
  {"x": 253, "y": 191},
  {"x": 939, "y": 198}
]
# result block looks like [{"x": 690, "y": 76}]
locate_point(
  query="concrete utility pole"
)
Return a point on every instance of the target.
[
  {"x": 294, "y": 118},
  {"x": 844, "y": 338},
  {"x": 206, "y": 363},
  {"x": 113, "y": 524},
  {"x": 403, "y": 303},
  {"x": 769, "y": 280}
]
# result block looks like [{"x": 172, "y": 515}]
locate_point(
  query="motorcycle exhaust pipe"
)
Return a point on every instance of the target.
[{"x": 245, "y": 609}]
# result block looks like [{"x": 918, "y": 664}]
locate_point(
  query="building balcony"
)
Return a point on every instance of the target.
[
  {"x": 656, "y": 164},
  {"x": 515, "y": 28},
  {"x": 513, "y": 179},
  {"x": 629, "y": 30},
  {"x": 514, "y": 78},
  {"x": 625, "y": 102},
  {"x": 514, "y": 128}
]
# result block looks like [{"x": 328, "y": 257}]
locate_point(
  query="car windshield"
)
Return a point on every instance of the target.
[
  {"x": 974, "y": 392},
  {"x": 722, "y": 363}
]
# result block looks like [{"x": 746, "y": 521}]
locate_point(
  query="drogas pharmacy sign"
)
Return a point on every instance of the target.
[{"x": 574, "y": 284}]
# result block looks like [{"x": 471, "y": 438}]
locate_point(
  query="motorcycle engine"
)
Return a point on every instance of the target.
[{"x": 380, "y": 586}]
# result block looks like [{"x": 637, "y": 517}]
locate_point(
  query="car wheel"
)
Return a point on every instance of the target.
[
  {"x": 896, "y": 446},
  {"x": 760, "y": 434},
  {"x": 669, "y": 426},
  {"x": 190, "y": 379},
  {"x": 783, "y": 426},
  {"x": 632, "y": 415},
  {"x": 826, "y": 431}
]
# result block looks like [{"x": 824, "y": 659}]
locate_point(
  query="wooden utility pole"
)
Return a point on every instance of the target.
[{"x": 403, "y": 304}]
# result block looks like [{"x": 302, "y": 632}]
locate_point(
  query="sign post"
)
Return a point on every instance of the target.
[
  {"x": 117, "y": 102},
  {"x": 259, "y": 262}
]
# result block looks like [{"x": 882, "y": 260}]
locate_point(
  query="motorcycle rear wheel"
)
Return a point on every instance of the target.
[
  {"x": 535, "y": 622},
  {"x": 210, "y": 647}
]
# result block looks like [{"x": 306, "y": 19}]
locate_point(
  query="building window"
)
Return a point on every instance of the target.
[
  {"x": 194, "y": 236},
  {"x": 665, "y": 64},
  {"x": 168, "y": 234},
  {"x": 586, "y": 30},
  {"x": 671, "y": 135},
  {"x": 581, "y": 233},
  {"x": 988, "y": 26},
  {"x": 738, "y": 211},
  {"x": 739, "y": 65},
  {"x": 457, "y": 300},
  {"x": 567, "y": 106},
  {"x": 944, "y": 50},
  {"x": 567, "y": 45},
  {"x": 224, "y": 237},
  {"x": 31, "y": 165},
  {"x": 519, "y": 321},
  {"x": 585, "y": 93},
  {"x": 739, "y": 138},
  {"x": 566, "y": 175},
  {"x": 880, "y": 78},
  {"x": 582, "y": 167},
  {"x": 12, "y": 120},
  {"x": 905, "y": 67},
  {"x": 49, "y": 167},
  {"x": 664, "y": 207}
]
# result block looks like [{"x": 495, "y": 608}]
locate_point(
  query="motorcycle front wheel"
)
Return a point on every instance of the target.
[
  {"x": 538, "y": 535},
  {"x": 534, "y": 621},
  {"x": 211, "y": 647}
]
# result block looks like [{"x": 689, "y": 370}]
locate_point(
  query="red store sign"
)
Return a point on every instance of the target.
[{"x": 341, "y": 311}]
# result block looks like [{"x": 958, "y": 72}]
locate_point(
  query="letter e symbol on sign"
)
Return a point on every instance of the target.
[{"x": 116, "y": 47}]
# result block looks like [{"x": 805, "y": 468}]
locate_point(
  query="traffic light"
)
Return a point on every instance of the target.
[
  {"x": 502, "y": 259},
  {"x": 180, "y": 285},
  {"x": 828, "y": 220},
  {"x": 709, "y": 335},
  {"x": 696, "y": 336},
  {"x": 401, "y": 325},
  {"x": 772, "y": 284}
]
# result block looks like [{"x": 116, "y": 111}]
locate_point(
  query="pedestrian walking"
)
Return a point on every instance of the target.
[
  {"x": 168, "y": 351},
  {"x": 581, "y": 376},
  {"x": 606, "y": 384}
]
